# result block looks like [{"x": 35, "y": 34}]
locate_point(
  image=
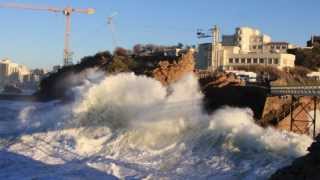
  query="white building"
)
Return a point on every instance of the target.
[
  {"x": 247, "y": 46},
  {"x": 244, "y": 75},
  {"x": 13, "y": 72}
]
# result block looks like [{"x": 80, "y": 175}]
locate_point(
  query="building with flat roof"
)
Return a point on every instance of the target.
[
  {"x": 313, "y": 40},
  {"x": 247, "y": 46},
  {"x": 13, "y": 72}
]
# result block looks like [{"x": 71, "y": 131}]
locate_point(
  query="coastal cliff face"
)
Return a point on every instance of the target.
[
  {"x": 225, "y": 89},
  {"x": 306, "y": 167},
  {"x": 275, "y": 106},
  {"x": 168, "y": 73},
  {"x": 235, "y": 96},
  {"x": 220, "y": 90}
]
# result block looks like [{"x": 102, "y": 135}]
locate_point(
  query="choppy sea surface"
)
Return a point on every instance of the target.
[{"x": 131, "y": 127}]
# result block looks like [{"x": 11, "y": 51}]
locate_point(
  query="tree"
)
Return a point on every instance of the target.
[
  {"x": 117, "y": 66},
  {"x": 180, "y": 45},
  {"x": 309, "y": 58},
  {"x": 137, "y": 49},
  {"x": 121, "y": 52}
]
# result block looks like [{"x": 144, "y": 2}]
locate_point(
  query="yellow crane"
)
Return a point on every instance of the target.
[{"x": 67, "y": 12}]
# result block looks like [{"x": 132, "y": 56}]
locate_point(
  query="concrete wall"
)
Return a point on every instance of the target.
[
  {"x": 203, "y": 56},
  {"x": 268, "y": 59},
  {"x": 247, "y": 38}
]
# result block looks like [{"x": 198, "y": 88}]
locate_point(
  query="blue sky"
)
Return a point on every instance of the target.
[{"x": 35, "y": 38}]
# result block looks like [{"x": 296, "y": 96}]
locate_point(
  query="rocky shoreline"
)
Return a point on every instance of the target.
[
  {"x": 304, "y": 168},
  {"x": 219, "y": 90}
]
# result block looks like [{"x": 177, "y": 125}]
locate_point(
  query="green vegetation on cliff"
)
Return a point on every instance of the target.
[
  {"x": 57, "y": 84},
  {"x": 309, "y": 58}
]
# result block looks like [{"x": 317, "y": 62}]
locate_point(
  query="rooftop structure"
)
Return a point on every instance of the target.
[
  {"x": 247, "y": 46},
  {"x": 313, "y": 40},
  {"x": 12, "y": 72}
]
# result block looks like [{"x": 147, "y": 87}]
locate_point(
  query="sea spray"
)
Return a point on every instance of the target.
[{"x": 132, "y": 126}]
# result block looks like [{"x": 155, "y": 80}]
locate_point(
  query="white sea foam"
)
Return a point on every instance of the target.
[{"x": 130, "y": 126}]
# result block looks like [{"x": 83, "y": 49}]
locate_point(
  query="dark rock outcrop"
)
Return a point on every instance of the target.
[
  {"x": 12, "y": 89},
  {"x": 303, "y": 168},
  {"x": 235, "y": 96},
  {"x": 57, "y": 84},
  {"x": 220, "y": 79},
  {"x": 226, "y": 89}
]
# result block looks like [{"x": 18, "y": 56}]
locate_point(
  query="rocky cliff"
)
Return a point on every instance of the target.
[
  {"x": 303, "y": 168},
  {"x": 168, "y": 72},
  {"x": 235, "y": 96}
]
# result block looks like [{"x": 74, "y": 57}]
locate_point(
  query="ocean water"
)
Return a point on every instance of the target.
[{"x": 131, "y": 127}]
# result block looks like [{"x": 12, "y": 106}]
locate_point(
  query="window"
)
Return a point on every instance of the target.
[
  {"x": 237, "y": 60},
  {"x": 275, "y": 61},
  {"x": 230, "y": 60},
  {"x": 255, "y": 60},
  {"x": 261, "y": 60},
  {"x": 270, "y": 61},
  {"x": 249, "y": 61},
  {"x": 254, "y": 47},
  {"x": 284, "y": 47},
  {"x": 243, "y": 60},
  {"x": 260, "y": 47},
  {"x": 278, "y": 47},
  {"x": 272, "y": 46}
]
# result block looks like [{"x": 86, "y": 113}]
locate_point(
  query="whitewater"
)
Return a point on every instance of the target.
[{"x": 132, "y": 127}]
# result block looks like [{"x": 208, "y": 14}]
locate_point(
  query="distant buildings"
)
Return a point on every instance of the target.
[
  {"x": 13, "y": 73},
  {"x": 56, "y": 68},
  {"x": 38, "y": 74},
  {"x": 246, "y": 47},
  {"x": 313, "y": 40}
]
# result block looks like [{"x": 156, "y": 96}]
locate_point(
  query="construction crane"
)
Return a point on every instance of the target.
[
  {"x": 112, "y": 28},
  {"x": 213, "y": 55},
  {"x": 67, "y": 12}
]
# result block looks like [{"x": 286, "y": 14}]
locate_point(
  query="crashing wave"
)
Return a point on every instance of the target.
[{"x": 131, "y": 126}]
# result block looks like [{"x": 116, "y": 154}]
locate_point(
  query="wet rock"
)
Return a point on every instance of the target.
[{"x": 306, "y": 167}]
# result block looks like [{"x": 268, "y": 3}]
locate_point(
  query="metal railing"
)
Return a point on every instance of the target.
[{"x": 296, "y": 90}]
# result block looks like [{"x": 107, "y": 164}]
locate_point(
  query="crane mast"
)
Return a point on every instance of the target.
[
  {"x": 67, "y": 12},
  {"x": 112, "y": 29},
  {"x": 67, "y": 54}
]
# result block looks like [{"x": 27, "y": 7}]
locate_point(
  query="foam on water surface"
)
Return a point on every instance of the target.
[{"x": 128, "y": 126}]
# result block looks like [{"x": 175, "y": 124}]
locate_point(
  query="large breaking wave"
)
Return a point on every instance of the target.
[{"x": 128, "y": 126}]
